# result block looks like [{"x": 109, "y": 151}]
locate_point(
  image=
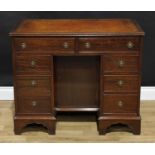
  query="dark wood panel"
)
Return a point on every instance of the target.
[
  {"x": 76, "y": 109},
  {"x": 120, "y": 103},
  {"x": 120, "y": 64},
  {"x": 109, "y": 44},
  {"x": 120, "y": 83},
  {"x": 33, "y": 65},
  {"x": 37, "y": 45},
  {"x": 34, "y": 105},
  {"x": 33, "y": 81},
  {"x": 29, "y": 91},
  {"x": 77, "y": 82},
  {"x": 33, "y": 86}
]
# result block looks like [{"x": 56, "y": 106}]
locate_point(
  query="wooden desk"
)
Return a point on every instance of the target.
[{"x": 77, "y": 65}]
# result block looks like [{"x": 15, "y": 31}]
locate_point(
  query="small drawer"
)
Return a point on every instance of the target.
[
  {"x": 31, "y": 64},
  {"x": 33, "y": 105},
  {"x": 120, "y": 103},
  {"x": 35, "y": 91},
  {"x": 120, "y": 64},
  {"x": 33, "y": 86},
  {"x": 33, "y": 82},
  {"x": 44, "y": 44},
  {"x": 116, "y": 83},
  {"x": 109, "y": 44}
]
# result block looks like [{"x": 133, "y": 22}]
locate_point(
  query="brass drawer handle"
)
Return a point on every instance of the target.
[
  {"x": 65, "y": 45},
  {"x": 33, "y": 63},
  {"x": 33, "y": 82},
  {"x": 130, "y": 45},
  {"x": 23, "y": 45},
  {"x": 87, "y": 45},
  {"x": 34, "y": 103},
  {"x": 121, "y": 63},
  {"x": 120, "y": 104},
  {"x": 120, "y": 83}
]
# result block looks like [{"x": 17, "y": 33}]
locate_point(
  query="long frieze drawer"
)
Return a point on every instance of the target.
[
  {"x": 44, "y": 44},
  {"x": 30, "y": 64},
  {"x": 33, "y": 82},
  {"x": 34, "y": 105},
  {"x": 109, "y": 44},
  {"x": 120, "y": 64},
  {"x": 116, "y": 83},
  {"x": 120, "y": 103}
]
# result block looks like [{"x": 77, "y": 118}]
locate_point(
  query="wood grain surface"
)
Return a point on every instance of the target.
[
  {"x": 74, "y": 128},
  {"x": 77, "y": 83}
]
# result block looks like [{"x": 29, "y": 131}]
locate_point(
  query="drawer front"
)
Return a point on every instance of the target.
[
  {"x": 120, "y": 64},
  {"x": 34, "y": 105},
  {"x": 116, "y": 83},
  {"x": 118, "y": 103},
  {"x": 44, "y": 44},
  {"x": 30, "y": 64},
  {"x": 109, "y": 44},
  {"x": 35, "y": 91},
  {"x": 33, "y": 86},
  {"x": 33, "y": 82}
]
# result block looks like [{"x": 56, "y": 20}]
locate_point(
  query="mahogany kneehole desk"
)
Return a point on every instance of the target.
[{"x": 77, "y": 65}]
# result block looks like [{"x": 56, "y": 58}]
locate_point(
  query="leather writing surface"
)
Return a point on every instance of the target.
[{"x": 73, "y": 26}]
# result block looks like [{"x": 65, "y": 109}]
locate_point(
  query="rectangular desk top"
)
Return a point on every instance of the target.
[{"x": 77, "y": 27}]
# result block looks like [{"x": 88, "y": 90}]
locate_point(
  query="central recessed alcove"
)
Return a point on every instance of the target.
[{"x": 77, "y": 82}]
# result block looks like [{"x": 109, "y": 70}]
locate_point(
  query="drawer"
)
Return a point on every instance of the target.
[
  {"x": 120, "y": 64},
  {"x": 34, "y": 105},
  {"x": 120, "y": 103},
  {"x": 33, "y": 86},
  {"x": 33, "y": 82},
  {"x": 31, "y": 64},
  {"x": 44, "y": 44},
  {"x": 104, "y": 44},
  {"x": 34, "y": 91},
  {"x": 116, "y": 83}
]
